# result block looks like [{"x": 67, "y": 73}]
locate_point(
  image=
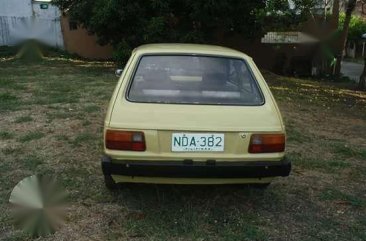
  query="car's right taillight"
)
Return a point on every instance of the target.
[
  {"x": 267, "y": 143},
  {"x": 125, "y": 140}
]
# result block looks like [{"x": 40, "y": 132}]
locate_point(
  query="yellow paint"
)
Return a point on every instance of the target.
[{"x": 159, "y": 121}]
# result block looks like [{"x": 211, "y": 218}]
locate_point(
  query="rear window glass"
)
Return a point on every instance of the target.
[{"x": 194, "y": 80}]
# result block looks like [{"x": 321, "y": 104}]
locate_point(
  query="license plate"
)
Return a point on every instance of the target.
[{"x": 200, "y": 142}]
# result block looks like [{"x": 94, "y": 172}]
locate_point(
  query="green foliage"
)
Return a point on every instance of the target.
[
  {"x": 357, "y": 26},
  {"x": 81, "y": 138},
  {"x": 4, "y": 135},
  {"x": 332, "y": 194},
  {"x": 127, "y": 24},
  {"x": 30, "y": 136},
  {"x": 23, "y": 119},
  {"x": 8, "y": 102},
  {"x": 281, "y": 16},
  {"x": 31, "y": 161},
  {"x": 8, "y": 51}
]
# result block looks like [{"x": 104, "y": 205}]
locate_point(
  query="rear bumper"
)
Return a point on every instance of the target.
[{"x": 189, "y": 169}]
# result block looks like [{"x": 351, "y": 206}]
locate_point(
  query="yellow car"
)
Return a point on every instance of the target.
[{"x": 192, "y": 114}]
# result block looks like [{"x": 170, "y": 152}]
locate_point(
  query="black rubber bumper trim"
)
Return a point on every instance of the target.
[{"x": 180, "y": 169}]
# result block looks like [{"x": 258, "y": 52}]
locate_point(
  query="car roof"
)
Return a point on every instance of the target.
[{"x": 167, "y": 48}]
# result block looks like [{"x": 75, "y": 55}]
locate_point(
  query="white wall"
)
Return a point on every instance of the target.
[
  {"x": 50, "y": 13},
  {"x": 18, "y": 8},
  {"x": 23, "y": 19}
]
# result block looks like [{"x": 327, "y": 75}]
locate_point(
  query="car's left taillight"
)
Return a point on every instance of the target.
[
  {"x": 125, "y": 140},
  {"x": 267, "y": 143}
]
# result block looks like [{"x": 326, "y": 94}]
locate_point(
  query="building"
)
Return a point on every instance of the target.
[
  {"x": 26, "y": 19},
  {"x": 21, "y": 20},
  {"x": 81, "y": 42},
  {"x": 299, "y": 52}
]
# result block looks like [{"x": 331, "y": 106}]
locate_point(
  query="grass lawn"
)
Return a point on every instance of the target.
[{"x": 51, "y": 120}]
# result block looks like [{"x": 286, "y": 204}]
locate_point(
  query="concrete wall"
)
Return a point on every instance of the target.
[
  {"x": 19, "y": 8},
  {"x": 80, "y": 42},
  {"x": 21, "y": 20}
]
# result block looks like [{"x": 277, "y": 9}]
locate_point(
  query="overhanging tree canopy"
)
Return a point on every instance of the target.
[
  {"x": 357, "y": 26},
  {"x": 128, "y": 23}
]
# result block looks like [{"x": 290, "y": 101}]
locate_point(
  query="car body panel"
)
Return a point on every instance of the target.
[
  {"x": 158, "y": 121},
  {"x": 195, "y": 117}
]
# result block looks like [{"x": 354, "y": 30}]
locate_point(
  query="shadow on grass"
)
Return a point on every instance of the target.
[{"x": 228, "y": 212}]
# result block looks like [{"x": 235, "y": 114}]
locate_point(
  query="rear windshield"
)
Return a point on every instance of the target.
[{"x": 194, "y": 80}]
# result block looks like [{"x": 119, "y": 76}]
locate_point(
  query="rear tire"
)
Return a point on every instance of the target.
[
  {"x": 110, "y": 183},
  {"x": 260, "y": 185}
]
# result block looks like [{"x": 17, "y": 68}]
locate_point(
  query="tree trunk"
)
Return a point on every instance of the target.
[
  {"x": 335, "y": 13},
  {"x": 362, "y": 83},
  {"x": 343, "y": 40}
]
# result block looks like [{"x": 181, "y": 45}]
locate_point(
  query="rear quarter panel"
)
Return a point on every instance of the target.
[{"x": 117, "y": 90}]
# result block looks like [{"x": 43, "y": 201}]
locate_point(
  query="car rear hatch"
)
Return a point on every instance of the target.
[{"x": 160, "y": 122}]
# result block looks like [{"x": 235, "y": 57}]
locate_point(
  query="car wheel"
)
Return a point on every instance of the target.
[
  {"x": 260, "y": 185},
  {"x": 110, "y": 183}
]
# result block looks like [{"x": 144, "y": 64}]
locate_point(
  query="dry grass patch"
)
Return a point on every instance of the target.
[{"x": 52, "y": 123}]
